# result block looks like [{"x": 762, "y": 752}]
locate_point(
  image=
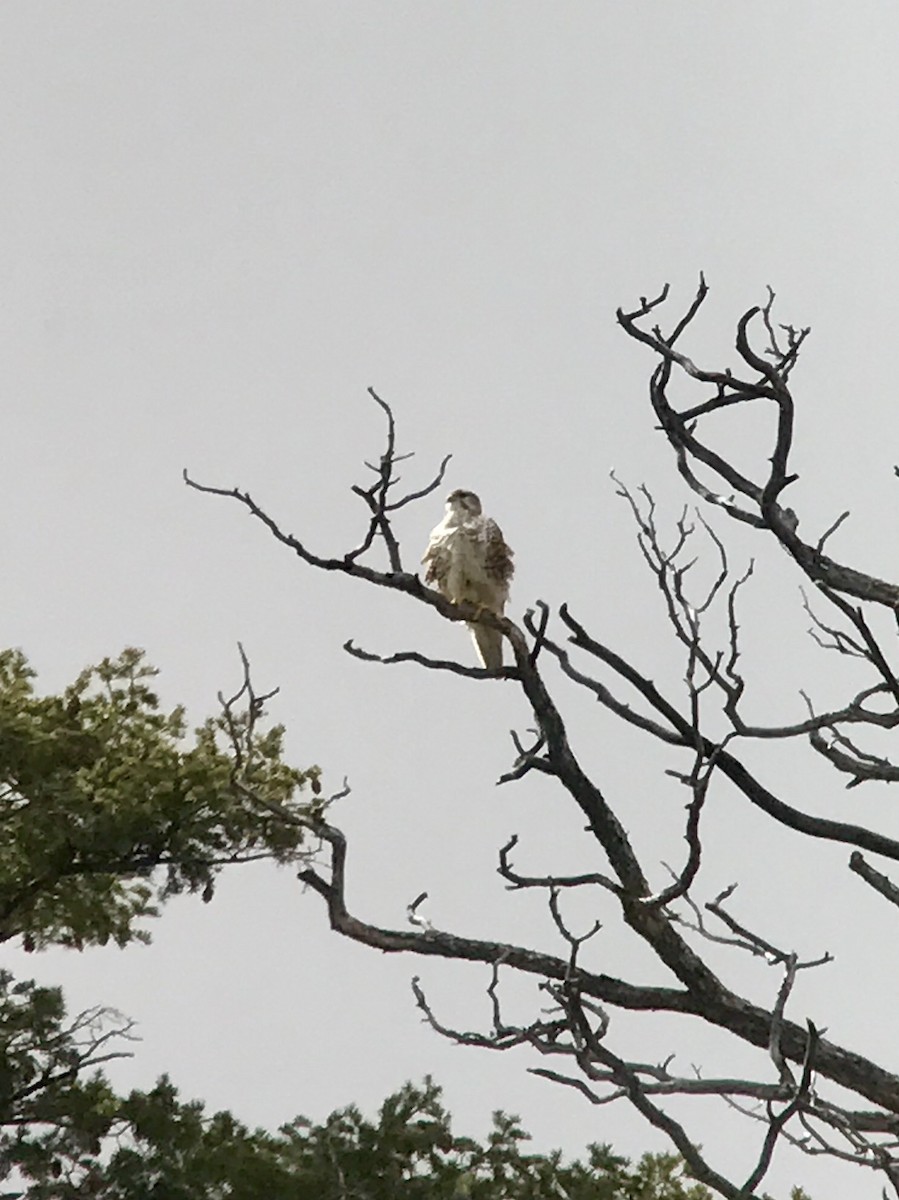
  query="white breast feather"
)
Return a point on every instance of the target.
[
  {"x": 468, "y": 560},
  {"x": 458, "y": 554}
]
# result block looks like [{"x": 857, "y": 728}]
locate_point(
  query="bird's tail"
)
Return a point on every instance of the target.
[{"x": 489, "y": 644}]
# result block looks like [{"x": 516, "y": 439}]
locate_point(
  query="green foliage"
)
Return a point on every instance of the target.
[
  {"x": 53, "y": 1108},
  {"x": 164, "y": 1148},
  {"x": 411, "y": 1153},
  {"x": 107, "y": 809},
  {"x": 99, "y": 790}
]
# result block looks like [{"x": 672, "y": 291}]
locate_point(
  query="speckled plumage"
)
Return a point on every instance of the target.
[{"x": 468, "y": 559}]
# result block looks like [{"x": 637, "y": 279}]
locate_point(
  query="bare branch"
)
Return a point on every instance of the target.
[
  {"x": 681, "y": 885},
  {"x": 771, "y": 384},
  {"x": 538, "y": 631},
  {"x": 433, "y": 664},
  {"x": 728, "y": 764},
  {"x": 831, "y": 530},
  {"x": 842, "y": 754},
  {"x": 763, "y": 946},
  {"x": 436, "y": 943},
  {"x": 881, "y": 883},
  {"x": 576, "y": 1026},
  {"x": 529, "y": 758},
  {"x": 548, "y": 881},
  {"x": 412, "y": 912}
]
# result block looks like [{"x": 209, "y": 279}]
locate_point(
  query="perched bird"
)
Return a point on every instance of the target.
[{"x": 468, "y": 559}]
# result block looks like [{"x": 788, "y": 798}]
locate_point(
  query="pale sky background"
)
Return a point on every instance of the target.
[{"x": 219, "y": 223}]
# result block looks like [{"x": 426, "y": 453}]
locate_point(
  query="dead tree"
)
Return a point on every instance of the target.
[{"x": 818, "y": 1095}]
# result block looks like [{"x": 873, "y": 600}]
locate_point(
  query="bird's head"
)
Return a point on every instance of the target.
[{"x": 465, "y": 504}]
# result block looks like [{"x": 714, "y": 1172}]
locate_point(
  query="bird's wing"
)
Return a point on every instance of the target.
[
  {"x": 497, "y": 555},
  {"x": 436, "y": 557}
]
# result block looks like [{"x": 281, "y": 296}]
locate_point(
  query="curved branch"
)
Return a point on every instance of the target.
[
  {"x": 517, "y": 881},
  {"x": 679, "y": 427},
  {"x": 433, "y": 664},
  {"x": 876, "y": 879},
  {"x": 752, "y": 789},
  {"x": 434, "y": 943},
  {"x": 719, "y": 1007}
]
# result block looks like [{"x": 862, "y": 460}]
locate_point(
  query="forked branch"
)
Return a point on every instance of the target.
[{"x": 770, "y": 366}]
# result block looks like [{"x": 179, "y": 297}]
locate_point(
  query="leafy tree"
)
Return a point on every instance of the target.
[
  {"x": 107, "y": 811},
  {"x": 823, "y": 1097},
  {"x": 159, "y": 1147}
]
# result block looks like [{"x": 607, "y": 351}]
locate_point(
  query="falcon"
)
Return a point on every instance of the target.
[{"x": 468, "y": 559}]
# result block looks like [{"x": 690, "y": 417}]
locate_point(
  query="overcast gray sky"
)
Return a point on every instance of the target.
[{"x": 219, "y": 223}]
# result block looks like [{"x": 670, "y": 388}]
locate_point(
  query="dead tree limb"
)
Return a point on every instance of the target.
[{"x": 800, "y": 1063}]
